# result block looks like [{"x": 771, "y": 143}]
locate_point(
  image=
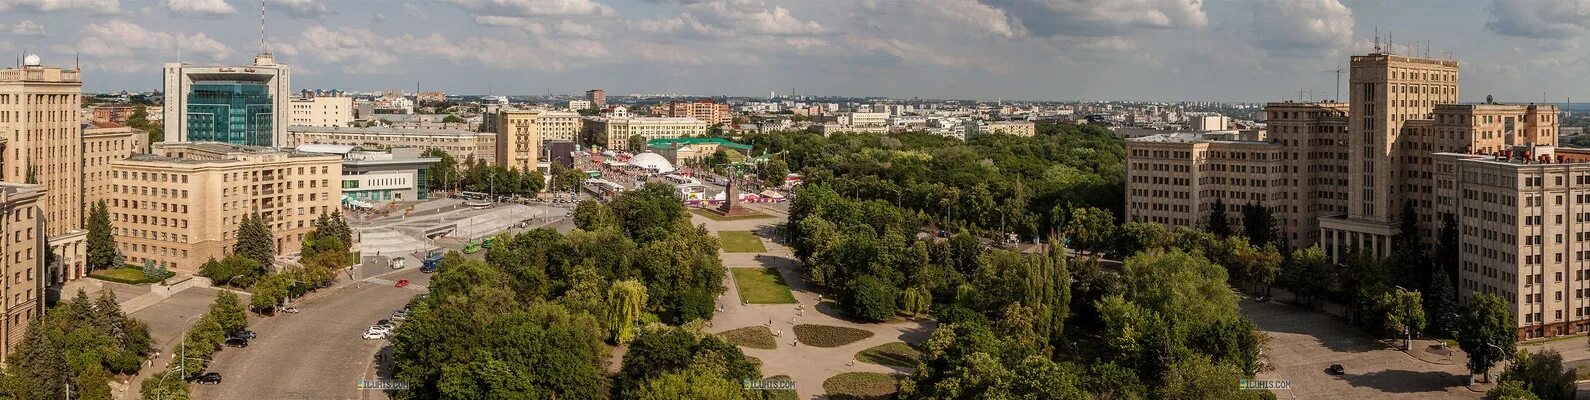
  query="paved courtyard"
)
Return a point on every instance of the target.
[
  {"x": 1304, "y": 343},
  {"x": 807, "y": 366}
]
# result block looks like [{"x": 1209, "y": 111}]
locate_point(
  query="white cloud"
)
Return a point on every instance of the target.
[
  {"x": 754, "y": 17},
  {"x": 207, "y": 8},
  {"x": 534, "y": 8},
  {"x": 1301, "y": 26},
  {"x": 1540, "y": 18},
  {"x": 94, "y": 6},
  {"x": 411, "y": 9},
  {"x": 378, "y": 17},
  {"x": 1102, "y": 18},
  {"x": 300, "y": 9},
  {"x": 569, "y": 28},
  {"x": 520, "y": 23},
  {"x": 24, "y": 28},
  {"x": 364, "y": 51},
  {"x": 122, "y": 42}
]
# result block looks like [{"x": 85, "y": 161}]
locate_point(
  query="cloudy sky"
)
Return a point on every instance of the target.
[{"x": 1228, "y": 50}]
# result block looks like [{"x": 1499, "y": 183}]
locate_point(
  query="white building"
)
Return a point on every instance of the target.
[
  {"x": 206, "y": 103},
  {"x": 1209, "y": 123},
  {"x": 575, "y": 105},
  {"x": 324, "y": 111}
]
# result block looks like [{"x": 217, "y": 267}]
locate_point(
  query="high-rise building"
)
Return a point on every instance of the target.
[
  {"x": 182, "y": 204},
  {"x": 597, "y": 97},
  {"x": 518, "y": 139},
  {"x": 243, "y": 105},
  {"x": 1347, "y": 176},
  {"x": 103, "y": 145},
  {"x": 43, "y": 145}
]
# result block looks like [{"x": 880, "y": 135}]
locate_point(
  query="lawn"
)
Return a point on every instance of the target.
[
  {"x": 762, "y": 286},
  {"x": 756, "y": 337},
  {"x": 741, "y": 242},
  {"x": 128, "y": 275},
  {"x": 861, "y": 385},
  {"x": 715, "y": 217},
  {"x": 829, "y": 335},
  {"x": 896, "y": 354}
]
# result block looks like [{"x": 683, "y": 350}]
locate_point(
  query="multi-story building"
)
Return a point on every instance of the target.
[
  {"x": 560, "y": 126},
  {"x": 113, "y": 113},
  {"x": 1013, "y": 128},
  {"x": 462, "y": 145},
  {"x": 707, "y": 110},
  {"x": 617, "y": 131},
  {"x": 576, "y": 105},
  {"x": 518, "y": 139},
  {"x": 1203, "y": 123},
  {"x": 245, "y": 105},
  {"x": 22, "y": 244},
  {"x": 43, "y": 138},
  {"x": 103, "y": 145},
  {"x": 864, "y": 119},
  {"x": 597, "y": 97},
  {"x": 430, "y": 97},
  {"x": 182, "y": 204},
  {"x": 1340, "y": 175},
  {"x": 485, "y": 148},
  {"x": 398, "y": 174},
  {"x": 321, "y": 111}
]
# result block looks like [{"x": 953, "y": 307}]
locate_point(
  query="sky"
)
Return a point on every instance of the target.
[{"x": 1151, "y": 50}]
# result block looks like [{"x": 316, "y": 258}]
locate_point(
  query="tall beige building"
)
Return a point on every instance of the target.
[
  {"x": 1339, "y": 175},
  {"x": 560, "y": 126},
  {"x": 518, "y": 139},
  {"x": 22, "y": 245},
  {"x": 326, "y": 111},
  {"x": 182, "y": 204},
  {"x": 103, "y": 145},
  {"x": 619, "y": 130},
  {"x": 39, "y": 118}
]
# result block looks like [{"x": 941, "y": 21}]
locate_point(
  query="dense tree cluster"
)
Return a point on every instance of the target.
[
  {"x": 82, "y": 343},
  {"x": 476, "y": 175},
  {"x": 225, "y": 318},
  {"x": 102, "y": 251},
  {"x": 537, "y": 315},
  {"x": 989, "y": 184}
]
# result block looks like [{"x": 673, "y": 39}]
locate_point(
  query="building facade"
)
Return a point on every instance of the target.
[
  {"x": 103, "y": 145},
  {"x": 43, "y": 139},
  {"x": 245, "y": 105},
  {"x": 22, "y": 245},
  {"x": 182, "y": 204},
  {"x": 1013, "y": 128},
  {"x": 560, "y": 126},
  {"x": 518, "y": 139},
  {"x": 708, "y": 110},
  {"x": 324, "y": 111},
  {"x": 113, "y": 113},
  {"x": 462, "y": 145},
  {"x": 618, "y": 131},
  {"x": 597, "y": 97}
]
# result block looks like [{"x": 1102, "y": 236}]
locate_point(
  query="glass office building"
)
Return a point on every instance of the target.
[{"x": 230, "y": 112}]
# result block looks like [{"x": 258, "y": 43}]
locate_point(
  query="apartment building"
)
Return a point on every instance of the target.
[
  {"x": 102, "y": 145},
  {"x": 43, "y": 138},
  {"x": 1013, "y": 128},
  {"x": 22, "y": 248},
  {"x": 113, "y": 113},
  {"x": 560, "y": 126},
  {"x": 1339, "y": 175},
  {"x": 518, "y": 139},
  {"x": 707, "y": 110},
  {"x": 325, "y": 111},
  {"x": 460, "y": 144},
  {"x": 619, "y": 130},
  {"x": 597, "y": 98},
  {"x": 182, "y": 204}
]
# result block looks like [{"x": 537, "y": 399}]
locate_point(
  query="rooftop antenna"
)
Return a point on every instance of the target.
[
  {"x": 1338, "y": 72},
  {"x": 262, "y": 48},
  {"x": 1427, "y": 48},
  {"x": 77, "y": 61},
  {"x": 1377, "y": 39}
]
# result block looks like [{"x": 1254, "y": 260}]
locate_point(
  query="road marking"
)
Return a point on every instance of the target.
[{"x": 379, "y": 281}]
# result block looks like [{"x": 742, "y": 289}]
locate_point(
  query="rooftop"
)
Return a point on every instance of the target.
[
  {"x": 665, "y": 143},
  {"x": 382, "y": 131}
]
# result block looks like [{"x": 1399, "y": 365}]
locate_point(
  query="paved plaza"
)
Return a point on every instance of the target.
[
  {"x": 808, "y": 366},
  {"x": 1304, "y": 343}
]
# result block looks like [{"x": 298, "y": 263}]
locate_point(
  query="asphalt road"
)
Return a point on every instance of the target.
[{"x": 317, "y": 353}]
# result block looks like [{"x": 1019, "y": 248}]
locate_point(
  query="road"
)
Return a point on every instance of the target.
[{"x": 317, "y": 353}]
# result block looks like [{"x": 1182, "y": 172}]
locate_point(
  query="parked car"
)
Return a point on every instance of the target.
[
  {"x": 210, "y": 378},
  {"x": 381, "y": 329},
  {"x": 236, "y": 342},
  {"x": 373, "y": 335},
  {"x": 402, "y": 283},
  {"x": 400, "y": 317},
  {"x": 1336, "y": 369},
  {"x": 290, "y": 310},
  {"x": 246, "y": 334}
]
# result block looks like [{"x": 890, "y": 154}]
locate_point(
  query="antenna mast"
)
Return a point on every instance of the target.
[
  {"x": 262, "y": 48},
  {"x": 1377, "y": 39}
]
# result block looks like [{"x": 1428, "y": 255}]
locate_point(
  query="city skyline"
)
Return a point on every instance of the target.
[{"x": 1148, "y": 50}]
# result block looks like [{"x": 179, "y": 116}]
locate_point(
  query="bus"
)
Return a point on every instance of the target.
[{"x": 475, "y": 199}]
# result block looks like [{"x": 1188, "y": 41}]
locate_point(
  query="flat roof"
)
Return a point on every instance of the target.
[{"x": 665, "y": 143}]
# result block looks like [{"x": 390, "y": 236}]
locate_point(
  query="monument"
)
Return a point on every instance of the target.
[{"x": 731, "y": 200}]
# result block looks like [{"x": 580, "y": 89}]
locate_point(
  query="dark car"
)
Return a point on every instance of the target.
[
  {"x": 1336, "y": 369},
  {"x": 210, "y": 378},
  {"x": 236, "y": 342},
  {"x": 246, "y": 334}
]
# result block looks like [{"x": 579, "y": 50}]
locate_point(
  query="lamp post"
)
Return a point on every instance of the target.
[{"x": 182, "y": 355}]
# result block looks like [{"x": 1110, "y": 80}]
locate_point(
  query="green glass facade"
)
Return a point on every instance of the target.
[{"x": 230, "y": 112}]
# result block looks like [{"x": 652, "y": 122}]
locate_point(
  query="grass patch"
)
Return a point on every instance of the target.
[
  {"x": 762, "y": 286},
  {"x": 829, "y": 335},
  {"x": 896, "y": 354},
  {"x": 861, "y": 385},
  {"x": 756, "y": 337},
  {"x": 741, "y": 242},
  {"x": 127, "y": 275},
  {"x": 715, "y": 217}
]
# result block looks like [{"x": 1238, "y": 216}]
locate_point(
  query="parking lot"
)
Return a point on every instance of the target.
[
  {"x": 317, "y": 353},
  {"x": 1304, "y": 343}
]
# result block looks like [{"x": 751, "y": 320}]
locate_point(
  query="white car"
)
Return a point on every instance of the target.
[
  {"x": 381, "y": 329},
  {"x": 400, "y": 317},
  {"x": 373, "y": 335}
]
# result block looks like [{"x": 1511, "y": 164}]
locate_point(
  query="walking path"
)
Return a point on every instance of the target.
[{"x": 807, "y": 366}]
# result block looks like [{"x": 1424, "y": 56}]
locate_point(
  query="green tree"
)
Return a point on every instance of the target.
[
  {"x": 772, "y": 172},
  {"x": 659, "y": 351},
  {"x": 1441, "y": 306},
  {"x": 443, "y": 174},
  {"x": 592, "y": 215},
  {"x": 453, "y": 119},
  {"x": 695, "y": 382},
  {"x": 1404, "y": 313},
  {"x": 870, "y": 298},
  {"x": 1136, "y": 236},
  {"x": 1510, "y": 390},
  {"x": 637, "y": 143},
  {"x": 1218, "y": 223},
  {"x": 1542, "y": 374},
  {"x": 1408, "y": 263},
  {"x": 228, "y": 312},
  {"x": 1258, "y": 224},
  {"x": 102, "y": 252},
  {"x": 625, "y": 299},
  {"x": 164, "y": 385},
  {"x": 254, "y": 240},
  {"x": 1090, "y": 229},
  {"x": 1306, "y": 273},
  {"x": 1487, "y": 332}
]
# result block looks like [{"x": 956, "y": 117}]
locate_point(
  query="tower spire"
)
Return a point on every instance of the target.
[{"x": 262, "y": 48}]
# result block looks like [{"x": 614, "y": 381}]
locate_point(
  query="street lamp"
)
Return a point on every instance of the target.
[{"x": 182, "y": 354}]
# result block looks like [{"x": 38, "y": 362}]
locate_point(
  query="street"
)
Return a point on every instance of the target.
[{"x": 317, "y": 353}]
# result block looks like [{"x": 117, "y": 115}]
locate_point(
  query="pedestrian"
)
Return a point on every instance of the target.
[
  {"x": 801, "y": 313},
  {"x": 769, "y": 322}
]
